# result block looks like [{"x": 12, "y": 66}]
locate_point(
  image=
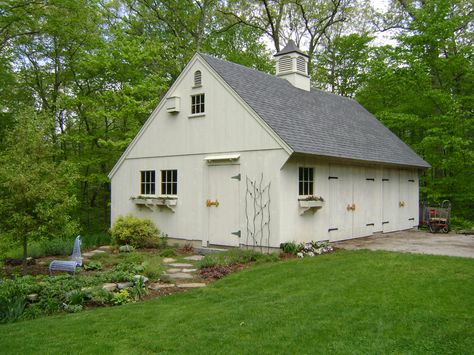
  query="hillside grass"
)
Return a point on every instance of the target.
[{"x": 356, "y": 302}]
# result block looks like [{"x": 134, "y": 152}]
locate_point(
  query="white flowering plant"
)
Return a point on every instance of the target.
[{"x": 314, "y": 248}]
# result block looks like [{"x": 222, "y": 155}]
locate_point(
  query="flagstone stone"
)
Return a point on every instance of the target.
[
  {"x": 180, "y": 265},
  {"x": 109, "y": 287},
  {"x": 158, "y": 286},
  {"x": 179, "y": 275},
  {"x": 173, "y": 270},
  {"x": 194, "y": 257},
  {"x": 169, "y": 260},
  {"x": 122, "y": 285},
  {"x": 192, "y": 285},
  {"x": 188, "y": 270}
]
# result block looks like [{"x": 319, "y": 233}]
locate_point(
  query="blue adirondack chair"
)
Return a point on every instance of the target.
[{"x": 68, "y": 265}]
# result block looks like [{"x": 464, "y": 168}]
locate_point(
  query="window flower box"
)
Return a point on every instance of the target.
[
  {"x": 310, "y": 203},
  {"x": 156, "y": 202}
]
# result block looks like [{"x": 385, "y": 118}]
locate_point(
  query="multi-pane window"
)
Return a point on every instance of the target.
[
  {"x": 197, "y": 104},
  {"x": 169, "y": 182},
  {"x": 147, "y": 185},
  {"x": 305, "y": 181}
]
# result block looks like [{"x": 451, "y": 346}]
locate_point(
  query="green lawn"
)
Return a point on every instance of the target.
[{"x": 356, "y": 302}]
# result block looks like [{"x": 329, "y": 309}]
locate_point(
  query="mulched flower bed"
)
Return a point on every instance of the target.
[{"x": 219, "y": 271}]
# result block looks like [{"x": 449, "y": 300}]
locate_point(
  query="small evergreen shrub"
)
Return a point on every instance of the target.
[{"x": 134, "y": 231}]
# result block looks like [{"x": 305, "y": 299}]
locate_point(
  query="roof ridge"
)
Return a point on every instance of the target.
[{"x": 240, "y": 65}]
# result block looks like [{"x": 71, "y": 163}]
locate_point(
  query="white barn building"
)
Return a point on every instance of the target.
[{"x": 232, "y": 156}]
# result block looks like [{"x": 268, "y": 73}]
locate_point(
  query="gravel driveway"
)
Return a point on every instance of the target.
[{"x": 414, "y": 241}]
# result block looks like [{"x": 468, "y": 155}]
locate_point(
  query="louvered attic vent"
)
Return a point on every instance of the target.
[
  {"x": 285, "y": 64},
  {"x": 197, "y": 78},
  {"x": 301, "y": 65}
]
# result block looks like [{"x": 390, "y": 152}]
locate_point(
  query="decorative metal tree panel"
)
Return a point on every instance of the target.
[{"x": 257, "y": 213}]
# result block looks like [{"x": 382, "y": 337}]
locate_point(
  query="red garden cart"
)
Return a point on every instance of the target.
[{"x": 437, "y": 218}]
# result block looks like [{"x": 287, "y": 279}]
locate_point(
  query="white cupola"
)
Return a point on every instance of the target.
[{"x": 292, "y": 65}]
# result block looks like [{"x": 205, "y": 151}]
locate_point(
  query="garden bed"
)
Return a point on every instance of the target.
[{"x": 110, "y": 278}]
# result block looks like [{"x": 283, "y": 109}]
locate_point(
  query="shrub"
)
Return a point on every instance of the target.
[
  {"x": 461, "y": 224},
  {"x": 138, "y": 290},
  {"x": 167, "y": 252},
  {"x": 101, "y": 297},
  {"x": 152, "y": 269},
  {"x": 121, "y": 297},
  {"x": 75, "y": 297},
  {"x": 72, "y": 308},
  {"x": 57, "y": 247},
  {"x": 208, "y": 261},
  {"x": 290, "y": 247},
  {"x": 235, "y": 256},
  {"x": 137, "y": 232},
  {"x": 11, "y": 309}
]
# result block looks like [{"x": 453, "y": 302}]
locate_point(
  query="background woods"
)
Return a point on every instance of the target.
[{"x": 89, "y": 72}]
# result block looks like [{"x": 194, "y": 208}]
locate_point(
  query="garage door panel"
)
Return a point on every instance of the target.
[
  {"x": 340, "y": 195},
  {"x": 390, "y": 200},
  {"x": 364, "y": 201}
]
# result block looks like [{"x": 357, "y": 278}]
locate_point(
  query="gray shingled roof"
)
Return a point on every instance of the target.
[{"x": 316, "y": 122}]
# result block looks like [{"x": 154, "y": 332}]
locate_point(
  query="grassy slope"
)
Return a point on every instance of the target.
[{"x": 348, "y": 302}]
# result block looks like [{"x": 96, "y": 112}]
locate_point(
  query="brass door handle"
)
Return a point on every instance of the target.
[
  {"x": 210, "y": 203},
  {"x": 351, "y": 207},
  {"x": 401, "y": 204}
]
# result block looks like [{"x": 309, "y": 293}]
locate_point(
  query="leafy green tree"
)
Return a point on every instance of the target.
[
  {"x": 342, "y": 66},
  {"x": 36, "y": 192},
  {"x": 423, "y": 90}
]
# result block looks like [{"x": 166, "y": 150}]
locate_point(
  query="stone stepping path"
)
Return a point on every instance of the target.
[
  {"x": 182, "y": 271},
  {"x": 159, "y": 286},
  {"x": 194, "y": 258},
  {"x": 179, "y": 275},
  {"x": 181, "y": 265},
  {"x": 188, "y": 270}
]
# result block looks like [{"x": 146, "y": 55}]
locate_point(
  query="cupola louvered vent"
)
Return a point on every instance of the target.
[
  {"x": 197, "y": 78},
  {"x": 301, "y": 65},
  {"x": 285, "y": 64}
]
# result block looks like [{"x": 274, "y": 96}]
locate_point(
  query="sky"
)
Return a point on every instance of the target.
[{"x": 380, "y": 4}]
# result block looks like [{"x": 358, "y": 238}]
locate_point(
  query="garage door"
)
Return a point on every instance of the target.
[{"x": 351, "y": 196}]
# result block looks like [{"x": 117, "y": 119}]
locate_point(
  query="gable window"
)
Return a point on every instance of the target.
[
  {"x": 169, "y": 182},
  {"x": 147, "y": 182},
  {"x": 197, "y": 104},
  {"x": 305, "y": 181},
  {"x": 197, "y": 78}
]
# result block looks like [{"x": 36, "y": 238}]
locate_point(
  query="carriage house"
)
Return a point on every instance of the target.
[{"x": 232, "y": 156}]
